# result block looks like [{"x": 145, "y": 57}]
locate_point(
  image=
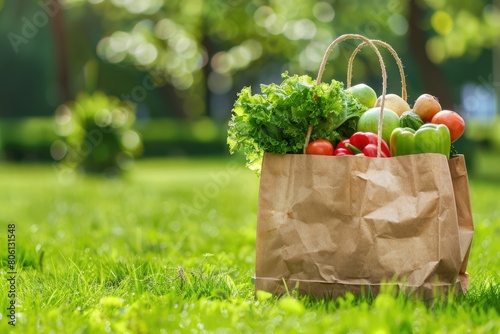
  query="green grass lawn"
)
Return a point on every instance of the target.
[{"x": 171, "y": 249}]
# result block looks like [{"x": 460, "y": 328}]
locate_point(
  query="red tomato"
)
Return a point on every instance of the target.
[
  {"x": 320, "y": 147},
  {"x": 452, "y": 120}
]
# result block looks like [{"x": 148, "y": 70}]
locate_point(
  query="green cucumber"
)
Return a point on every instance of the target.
[{"x": 409, "y": 119}]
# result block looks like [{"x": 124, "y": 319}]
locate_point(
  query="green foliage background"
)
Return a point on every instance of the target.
[{"x": 200, "y": 51}]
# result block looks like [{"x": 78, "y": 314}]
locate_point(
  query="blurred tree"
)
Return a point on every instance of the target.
[
  {"x": 199, "y": 47},
  {"x": 199, "y": 50},
  {"x": 25, "y": 61},
  {"x": 442, "y": 30}
]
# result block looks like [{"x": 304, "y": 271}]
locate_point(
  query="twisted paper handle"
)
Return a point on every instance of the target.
[
  {"x": 384, "y": 82},
  {"x": 394, "y": 54}
]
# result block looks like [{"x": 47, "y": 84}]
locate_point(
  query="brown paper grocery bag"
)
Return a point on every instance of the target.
[
  {"x": 460, "y": 180},
  {"x": 327, "y": 225}
]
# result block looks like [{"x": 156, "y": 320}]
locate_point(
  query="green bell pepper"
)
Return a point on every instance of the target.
[{"x": 429, "y": 138}]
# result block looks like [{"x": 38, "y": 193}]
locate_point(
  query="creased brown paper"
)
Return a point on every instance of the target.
[
  {"x": 460, "y": 180},
  {"x": 328, "y": 225}
]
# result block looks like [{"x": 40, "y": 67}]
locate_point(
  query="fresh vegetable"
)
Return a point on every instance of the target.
[
  {"x": 430, "y": 138},
  {"x": 370, "y": 150},
  {"x": 342, "y": 148},
  {"x": 343, "y": 144},
  {"x": 426, "y": 106},
  {"x": 277, "y": 120},
  {"x": 364, "y": 94},
  {"x": 320, "y": 147},
  {"x": 368, "y": 122},
  {"x": 410, "y": 120},
  {"x": 363, "y": 139},
  {"x": 393, "y": 102},
  {"x": 343, "y": 151},
  {"x": 354, "y": 149},
  {"x": 364, "y": 143},
  {"x": 452, "y": 120}
]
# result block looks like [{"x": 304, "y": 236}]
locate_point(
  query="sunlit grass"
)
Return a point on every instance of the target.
[{"x": 172, "y": 247}]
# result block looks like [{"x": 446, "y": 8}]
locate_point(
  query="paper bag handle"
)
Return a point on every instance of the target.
[
  {"x": 396, "y": 58},
  {"x": 384, "y": 82}
]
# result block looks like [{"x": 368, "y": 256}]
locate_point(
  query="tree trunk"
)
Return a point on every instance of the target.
[
  {"x": 173, "y": 101},
  {"x": 60, "y": 53},
  {"x": 433, "y": 79},
  {"x": 496, "y": 64}
]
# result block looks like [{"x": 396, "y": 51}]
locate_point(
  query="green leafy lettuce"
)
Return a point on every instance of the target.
[{"x": 277, "y": 120}]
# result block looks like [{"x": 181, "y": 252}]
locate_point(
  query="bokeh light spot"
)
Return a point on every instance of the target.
[
  {"x": 63, "y": 115},
  {"x": 254, "y": 47},
  {"x": 301, "y": 29},
  {"x": 455, "y": 45},
  {"x": 436, "y": 50},
  {"x": 125, "y": 160},
  {"x": 103, "y": 118},
  {"x": 262, "y": 14},
  {"x": 131, "y": 140},
  {"x": 467, "y": 23},
  {"x": 222, "y": 62},
  {"x": 119, "y": 41},
  {"x": 398, "y": 24},
  {"x": 146, "y": 53},
  {"x": 64, "y": 121},
  {"x": 183, "y": 81},
  {"x": 323, "y": 11},
  {"x": 142, "y": 6},
  {"x": 241, "y": 55},
  {"x": 219, "y": 83},
  {"x": 491, "y": 15},
  {"x": 118, "y": 118},
  {"x": 442, "y": 22},
  {"x": 310, "y": 58},
  {"x": 165, "y": 28},
  {"x": 106, "y": 51},
  {"x": 58, "y": 150}
]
